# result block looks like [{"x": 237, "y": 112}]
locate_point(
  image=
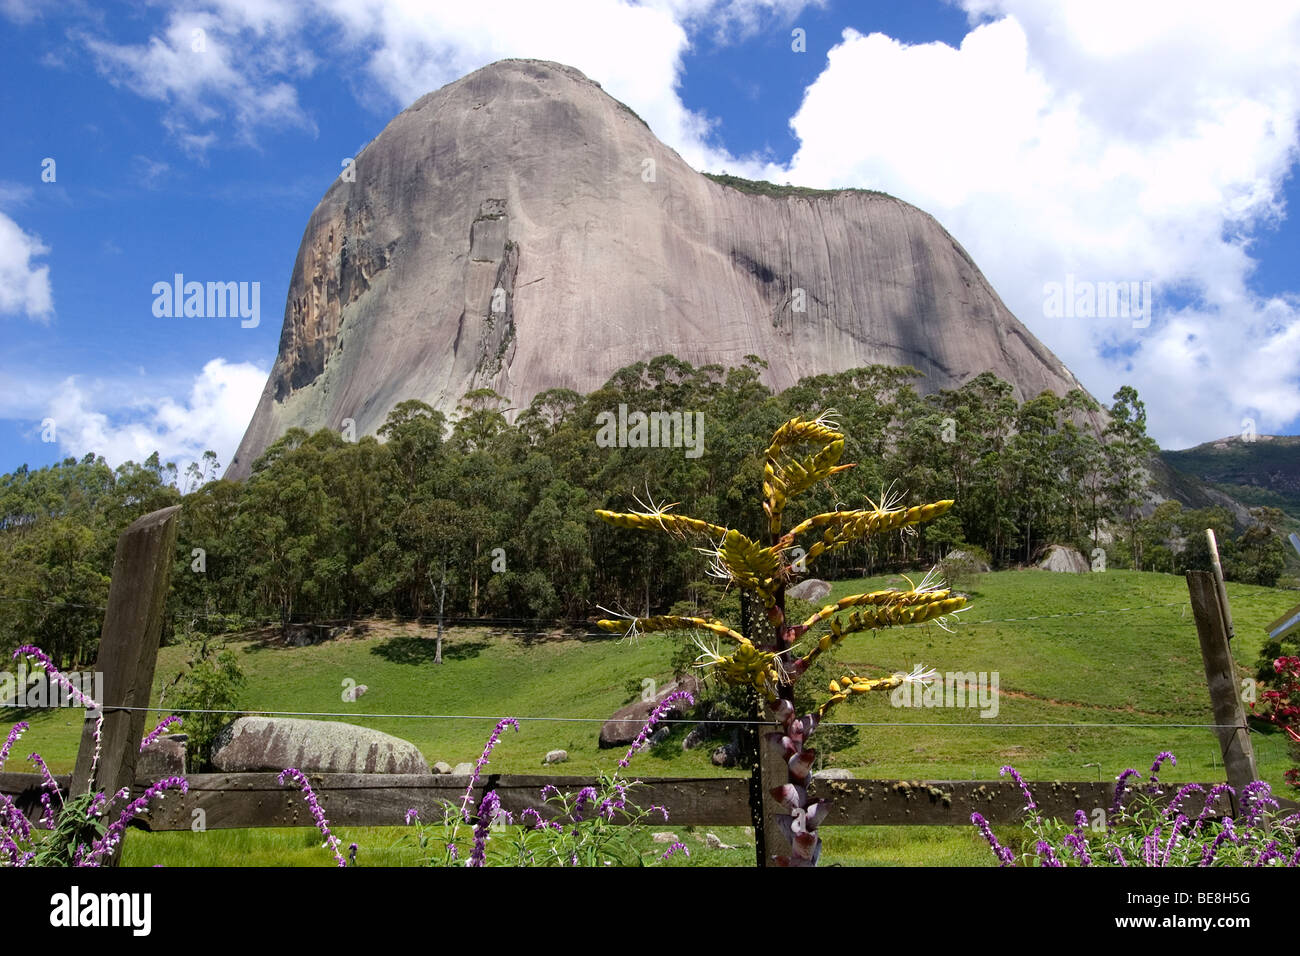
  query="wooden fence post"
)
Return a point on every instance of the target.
[
  {"x": 1221, "y": 676},
  {"x": 128, "y": 651}
]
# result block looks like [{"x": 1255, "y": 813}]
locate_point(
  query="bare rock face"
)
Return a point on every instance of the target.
[
  {"x": 811, "y": 589},
  {"x": 625, "y": 724},
  {"x": 520, "y": 229},
  {"x": 319, "y": 746},
  {"x": 1065, "y": 560}
]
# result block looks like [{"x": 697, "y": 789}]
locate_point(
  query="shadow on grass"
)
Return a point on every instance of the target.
[{"x": 421, "y": 650}]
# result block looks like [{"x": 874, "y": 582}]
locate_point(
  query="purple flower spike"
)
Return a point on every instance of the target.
[
  {"x": 1161, "y": 758},
  {"x": 585, "y": 796},
  {"x": 1255, "y": 797},
  {"x": 158, "y": 731},
  {"x": 1047, "y": 854},
  {"x": 482, "y": 762},
  {"x": 113, "y": 835},
  {"x": 1227, "y": 833},
  {"x": 331, "y": 841},
  {"x": 1183, "y": 791},
  {"x": 487, "y": 810},
  {"x": 1120, "y": 789},
  {"x": 38, "y": 656},
  {"x": 16, "y": 731},
  {"x": 1003, "y": 853},
  {"x": 674, "y": 848},
  {"x": 412, "y": 814},
  {"x": 1210, "y": 798},
  {"x": 655, "y": 716},
  {"x": 1024, "y": 787}
]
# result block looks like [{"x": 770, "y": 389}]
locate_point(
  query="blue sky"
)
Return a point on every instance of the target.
[{"x": 1078, "y": 142}]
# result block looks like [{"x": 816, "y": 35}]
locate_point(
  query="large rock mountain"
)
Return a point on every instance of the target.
[{"x": 520, "y": 229}]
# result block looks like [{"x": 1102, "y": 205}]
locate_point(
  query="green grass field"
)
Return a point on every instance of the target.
[{"x": 1111, "y": 670}]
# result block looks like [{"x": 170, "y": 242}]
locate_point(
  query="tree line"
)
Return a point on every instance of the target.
[{"x": 496, "y": 517}]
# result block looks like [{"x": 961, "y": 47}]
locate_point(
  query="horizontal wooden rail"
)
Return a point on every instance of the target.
[{"x": 234, "y": 800}]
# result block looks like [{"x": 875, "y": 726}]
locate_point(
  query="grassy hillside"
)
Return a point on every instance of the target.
[
  {"x": 1261, "y": 472},
  {"x": 1059, "y": 664}
]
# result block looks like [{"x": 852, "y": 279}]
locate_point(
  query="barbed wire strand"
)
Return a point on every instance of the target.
[
  {"x": 682, "y": 720},
  {"x": 489, "y": 622}
]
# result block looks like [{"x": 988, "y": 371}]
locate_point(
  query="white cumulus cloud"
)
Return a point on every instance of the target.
[
  {"x": 1105, "y": 141},
  {"x": 98, "y": 418},
  {"x": 24, "y": 285}
]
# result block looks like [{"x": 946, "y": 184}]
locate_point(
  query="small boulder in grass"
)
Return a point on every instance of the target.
[
  {"x": 165, "y": 757},
  {"x": 441, "y": 767},
  {"x": 725, "y": 756},
  {"x": 833, "y": 773},
  {"x": 462, "y": 769},
  {"x": 352, "y": 693},
  {"x": 811, "y": 589},
  {"x": 555, "y": 756},
  {"x": 663, "y": 836}
]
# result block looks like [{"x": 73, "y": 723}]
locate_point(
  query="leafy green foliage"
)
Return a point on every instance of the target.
[{"x": 212, "y": 680}]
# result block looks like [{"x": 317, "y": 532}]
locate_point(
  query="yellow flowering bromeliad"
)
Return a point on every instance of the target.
[{"x": 764, "y": 657}]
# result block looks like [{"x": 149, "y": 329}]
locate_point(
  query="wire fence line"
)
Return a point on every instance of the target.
[
  {"x": 489, "y": 622},
  {"x": 494, "y": 621},
  {"x": 992, "y": 724}
]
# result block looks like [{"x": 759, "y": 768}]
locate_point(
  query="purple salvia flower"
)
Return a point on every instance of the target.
[
  {"x": 1003, "y": 853},
  {"x": 40, "y": 657},
  {"x": 1024, "y": 787},
  {"x": 539, "y": 823},
  {"x": 554, "y": 791},
  {"x": 1120, "y": 789},
  {"x": 1077, "y": 841},
  {"x": 412, "y": 814},
  {"x": 1255, "y": 796},
  {"x": 1269, "y": 852},
  {"x": 97, "y": 804},
  {"x": 113, "y": 836},
  {"x": 331, "y": 841},
  {"x": 1227, "y": 833},
  {"x": 1046, "y": 854},
  {"x": 585, "y": 796},
  {"x": 158, "y": 731},
  {"x": 482, "y": 762},
  {"x": 1149, "y": 847},
  {"x": 8, "y": 845},
  {"x": 16, "y": 731},
  {"x": 1183, "y": 791},
  {"x": 655, "y": 716},
  {"x": 48, "y": 816},
  {"x": 1155, "y": 768},
  {"x": 674, "y": 848},
  {"x": 47, "y": 781},
  {"x": 1210, "y": 798},
  {"x": 1119, "y": 856},
  {"x": 17, "y": 820},
  {"x": 487, "y": 810},
  {"x": 352, "y": 854},
  {"x": 1295, "y": 860},
  {"x": 1178, "y": 822},
  {"x": 654, "y": 806}
]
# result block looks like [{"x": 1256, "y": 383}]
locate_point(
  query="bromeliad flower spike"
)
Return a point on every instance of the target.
[{"x": 766, "y": 656}]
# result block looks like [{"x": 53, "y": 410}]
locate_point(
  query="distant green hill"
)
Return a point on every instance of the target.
[{"x": 1265, "y": 471}]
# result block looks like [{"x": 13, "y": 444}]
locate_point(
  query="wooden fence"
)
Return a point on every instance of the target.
[{"x": 128, "y": 651}]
